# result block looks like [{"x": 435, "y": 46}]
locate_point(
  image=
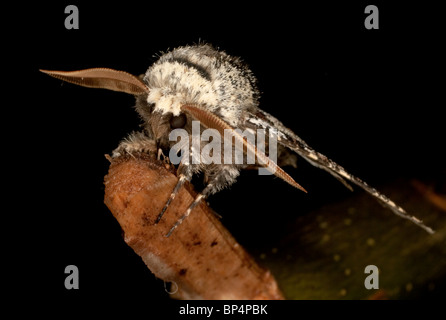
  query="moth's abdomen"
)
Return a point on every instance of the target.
[{"x": 204, "y": 76}]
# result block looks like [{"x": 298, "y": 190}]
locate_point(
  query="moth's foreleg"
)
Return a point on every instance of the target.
[
  {"x": 224, "y": 177},
  {"x": 135, "y": 142},
  {"x": 185, "y": 173}
]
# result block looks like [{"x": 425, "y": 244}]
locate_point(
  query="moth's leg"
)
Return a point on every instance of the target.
[
  {"x": 185, "y": 172},
  {"x": 161, "y": 154},
  {"x": 218, "y": 180},
  {"x": 135, "y": 142}
]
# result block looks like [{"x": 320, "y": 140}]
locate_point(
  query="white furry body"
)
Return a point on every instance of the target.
[{"x": 203, "y": 76}]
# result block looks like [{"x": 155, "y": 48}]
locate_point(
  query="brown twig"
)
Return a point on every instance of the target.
[{"x": 201, "y": 258}]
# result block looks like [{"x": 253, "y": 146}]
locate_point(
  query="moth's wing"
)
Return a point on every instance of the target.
[
  {"x": 211, "y": 120},
  {"x": 258, "y": 118}
]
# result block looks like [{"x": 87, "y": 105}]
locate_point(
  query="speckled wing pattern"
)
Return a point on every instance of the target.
[{"x": 260, "y": 119}]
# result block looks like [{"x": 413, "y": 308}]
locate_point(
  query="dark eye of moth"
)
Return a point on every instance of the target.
[{"x": 178, "y": 121}]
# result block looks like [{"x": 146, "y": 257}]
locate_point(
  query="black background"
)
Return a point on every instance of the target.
[{"x": 372, "y": 100}]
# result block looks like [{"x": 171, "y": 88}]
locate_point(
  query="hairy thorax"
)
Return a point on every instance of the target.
[{"x": 202, "y": 76}]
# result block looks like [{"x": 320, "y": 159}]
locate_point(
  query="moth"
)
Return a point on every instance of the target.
[{"x": 201, "y": 83}]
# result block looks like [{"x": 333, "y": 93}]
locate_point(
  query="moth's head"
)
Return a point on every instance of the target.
[
  {"x": 158, "y": 125},
  {"x": 182, "y": 76}
]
